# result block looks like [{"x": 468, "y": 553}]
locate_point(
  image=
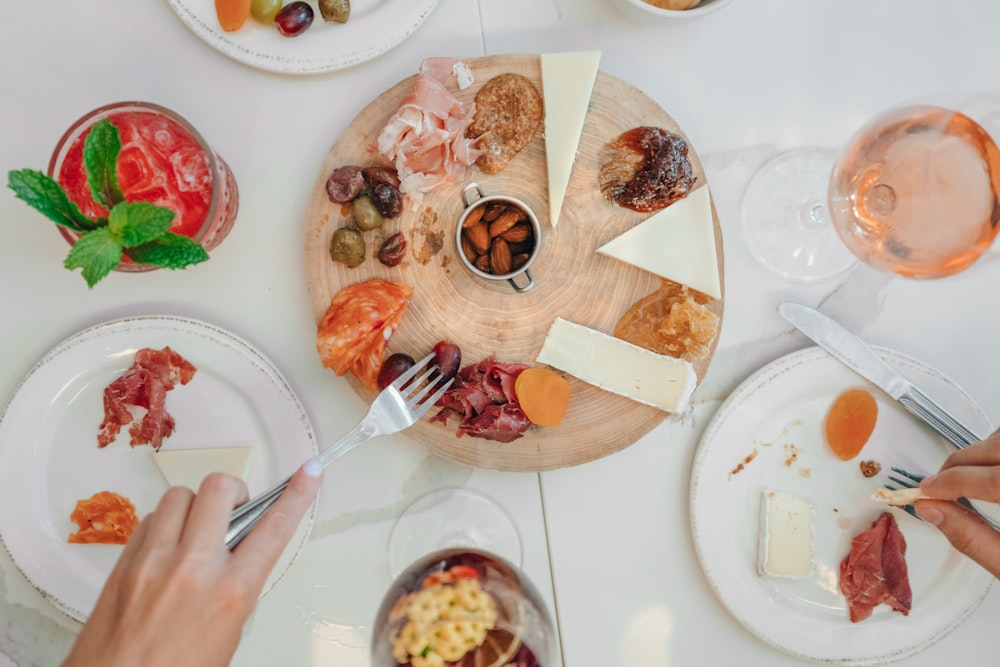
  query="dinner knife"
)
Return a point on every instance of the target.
[{"x": 854, "y": 353}]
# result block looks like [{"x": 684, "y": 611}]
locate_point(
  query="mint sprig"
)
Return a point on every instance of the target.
[{"x": 138, "y": 230}]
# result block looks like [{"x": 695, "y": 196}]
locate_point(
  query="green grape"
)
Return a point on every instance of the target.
[{"x": 265, "y": 10}]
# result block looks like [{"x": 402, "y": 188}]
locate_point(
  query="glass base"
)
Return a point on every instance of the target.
[
  {"x": 452, "y": 518},
  {"x": 786, "y": 223}
]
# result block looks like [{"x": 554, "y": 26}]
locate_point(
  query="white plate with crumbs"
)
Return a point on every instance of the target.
[
  {"x": 374, "y": 27},
  {"x": 769, "y": 434},
  {"x": 48, "y": 443}
]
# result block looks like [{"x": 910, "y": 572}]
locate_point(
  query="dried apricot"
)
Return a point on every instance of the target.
[
  {"x": 543, "y": 395},
  {"x": 232, "y": 13},
  {"x": 850, "y": 422}
]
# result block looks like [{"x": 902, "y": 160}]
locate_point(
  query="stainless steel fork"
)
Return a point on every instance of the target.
[
  {"x": 397, "y": 407},
  {"x": 911, "y": 480}
]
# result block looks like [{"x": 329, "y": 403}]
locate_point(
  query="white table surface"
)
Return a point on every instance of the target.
[{"x": 608, "y": 542}]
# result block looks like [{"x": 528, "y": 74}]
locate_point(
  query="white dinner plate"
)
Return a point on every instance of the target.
[
  {"x": 375, "y": 26},
  {"x": 48, "y": 443},
  {"x": 779, "y": 412}
]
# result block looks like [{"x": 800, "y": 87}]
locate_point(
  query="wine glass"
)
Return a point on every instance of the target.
[
  {"x": 459, "y": 606},
  {"x": 914, "y": 193}
]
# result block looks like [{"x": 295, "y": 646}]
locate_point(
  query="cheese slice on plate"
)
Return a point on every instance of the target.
[
  {"x": 188, "y": 467},
  {"x": 785, "y": 540},
  {"x": 567, "y": 83},
  {"x": 677, "y": 243},
  {"x": 618, "y": 366}
]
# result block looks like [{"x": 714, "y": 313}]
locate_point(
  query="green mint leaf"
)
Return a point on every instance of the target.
[
  {"x": 170, "y": 251},
  {"x": 135, "y": 223},
  {"x": 97, "y": 253},
  {"x": 100, "y": 156},
  {"x": 43, "y": 194}
]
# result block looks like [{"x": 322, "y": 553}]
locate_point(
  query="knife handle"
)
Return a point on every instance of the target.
[{"x": 938, "y": 418}]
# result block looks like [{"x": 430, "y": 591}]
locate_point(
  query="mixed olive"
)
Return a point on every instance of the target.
[{"x": 373, "y": 195}]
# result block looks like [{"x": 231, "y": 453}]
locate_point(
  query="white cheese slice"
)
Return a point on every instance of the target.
[
  {"x": 785, "y": 541},
  {"x": 567, "y": 83},
  {"x": 188, "y": 467},
  {"x": 677, "y": 243},
  {"x": 619, "y": 366}
]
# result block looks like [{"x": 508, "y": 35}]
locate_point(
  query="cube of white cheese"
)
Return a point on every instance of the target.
[{"x": 785, "y": 540}]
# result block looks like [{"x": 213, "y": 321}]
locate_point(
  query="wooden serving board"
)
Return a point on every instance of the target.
[{"x": 572, "y": 281}]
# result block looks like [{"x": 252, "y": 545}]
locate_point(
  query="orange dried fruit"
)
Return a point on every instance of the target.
[
  {"x": 232, "y": 13},
  {"x": 543, "y": 395},
  {"x": 850, "y": 422}
]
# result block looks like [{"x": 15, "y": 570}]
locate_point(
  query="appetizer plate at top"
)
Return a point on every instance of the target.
[
  {"x": 486, "y": 318},
  {"x": 779, "y": 413},
  {"x": 48, "y": 443},
  {"x": 375, "y": 26}
]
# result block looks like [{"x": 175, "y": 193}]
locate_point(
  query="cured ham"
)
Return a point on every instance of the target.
[
  {"x": 483, "y": 398},
  {"x": 425, "y": 138},
  {"x": 144, "y": 387},
  {"x": 874, "y": 572},
  {"x": 104, "y": 518},
  {"x": 356, "y": 327}
]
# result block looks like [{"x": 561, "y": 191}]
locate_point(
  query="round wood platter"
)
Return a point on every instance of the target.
[{"x": 572, "y": 281}]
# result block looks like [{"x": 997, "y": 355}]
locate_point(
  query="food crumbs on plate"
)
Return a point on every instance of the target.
[
  {"x": 104, "y": 518},
  {"x": 870, "y": 468},
  {"x": 805, "y": 472},
  {"x": 791, "y": 454},
  {"x": 850, "y": 423},
  {"x": 742, "y": 464}
]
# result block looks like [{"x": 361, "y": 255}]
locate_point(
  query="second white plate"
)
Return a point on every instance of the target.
[
  {"x": 778, "y": 414},
  {"x": 48, "y": 443}
]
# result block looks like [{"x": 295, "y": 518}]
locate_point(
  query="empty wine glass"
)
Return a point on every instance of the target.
[
  {"x": 460, "y": 606},
  {"x": 914, "y": 193}
]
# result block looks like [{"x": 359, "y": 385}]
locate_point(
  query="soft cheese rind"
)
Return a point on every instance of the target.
[
  {"x": 618, "y": 366},
  {"x": 785, "y": 540}
]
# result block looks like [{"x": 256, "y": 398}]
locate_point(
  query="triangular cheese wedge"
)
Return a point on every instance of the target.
[
  {"x": 677, "y": 243},
  {"x": 188, "y": 467},
  {"x": 567, "y": 82}
]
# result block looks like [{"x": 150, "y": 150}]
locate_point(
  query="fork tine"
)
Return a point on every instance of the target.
[
  {"x": 418, "y": 397},
  {"x": 909, "y": 475},
  {"x": 902, "y": 482},
  {"x": 419, "y": 410},
  {"x": 411, "y": 372},
  {"x": 417, "y": 387}
]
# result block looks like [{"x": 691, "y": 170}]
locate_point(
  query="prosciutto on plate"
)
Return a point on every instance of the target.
[
  {"x": 143, "y": 387},
  {"x": 483, "y": 398},
  {"x": 425, "y": 138},
  {"x": 874, "y": 572}
]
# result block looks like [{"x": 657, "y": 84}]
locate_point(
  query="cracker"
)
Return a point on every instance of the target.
[{"x": 508, "y": 113}]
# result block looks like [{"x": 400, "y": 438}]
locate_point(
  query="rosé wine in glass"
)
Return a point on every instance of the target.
[
  {"x": 916, "y": 192},
  {"x": 163, "y": 161}
]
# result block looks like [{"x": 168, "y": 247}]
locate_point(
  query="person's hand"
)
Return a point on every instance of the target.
[
  {"x": 176, "y": 595},
  {"x": 973, "y": 472}
]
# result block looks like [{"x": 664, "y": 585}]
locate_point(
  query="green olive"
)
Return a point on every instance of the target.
[
  {"x": 265, "y": 10},
  {"x": 365, "y": 214},
  {"x": 335, "y": 10},
  {"x": 347, "y": 247}
]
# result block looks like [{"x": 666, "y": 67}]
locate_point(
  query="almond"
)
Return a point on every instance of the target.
[
  {"x": 519, "y": 233},
  {"x": 493, "y": 211},
  {"x": 507, "y": 220},
  {"x": 519, "y": 260},
  {"x": 467, "y": 250},
  {"x": 479, "y": 237},
  {"x": 482, "y": 263},
  {"x": 475, "y": 215},
  {"x": 500, "y": 260}
]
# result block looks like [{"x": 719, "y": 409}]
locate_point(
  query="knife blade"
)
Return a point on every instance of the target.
[{"x": 854, "y": 353}]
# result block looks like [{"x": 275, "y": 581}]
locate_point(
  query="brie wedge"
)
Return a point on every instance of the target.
[
  {"x": 677, "y": 243},
  {"x": 618, "y": 366},
  {"x": 188, "y": 467},
  {"x": 785, "y": 539},
  {"x": 567, "y": 83}
]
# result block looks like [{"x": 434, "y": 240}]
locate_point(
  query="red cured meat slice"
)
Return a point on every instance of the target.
[
  {"x": 483, "y": 398},
  {"x": 144, "y": 386},
  {"x": 874, "y": 572}
]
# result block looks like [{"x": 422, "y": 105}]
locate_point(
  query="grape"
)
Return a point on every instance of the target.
[
  {"x": 265, "y": 10},
  {"x": 448, "y": 357},
  {"x": 294, "y": 18},
  {"x": 393, "y": 367}
]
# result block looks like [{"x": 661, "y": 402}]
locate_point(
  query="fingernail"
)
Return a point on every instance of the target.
[
  {"x": 930, "y": 514},
  {"x": 313, "y": 468}
]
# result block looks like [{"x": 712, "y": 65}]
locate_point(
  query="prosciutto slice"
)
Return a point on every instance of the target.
[
  {"x": 483, "y": 398},
  {"x": 425, "y": 137},
  {"x": 874, "y": 572}
]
